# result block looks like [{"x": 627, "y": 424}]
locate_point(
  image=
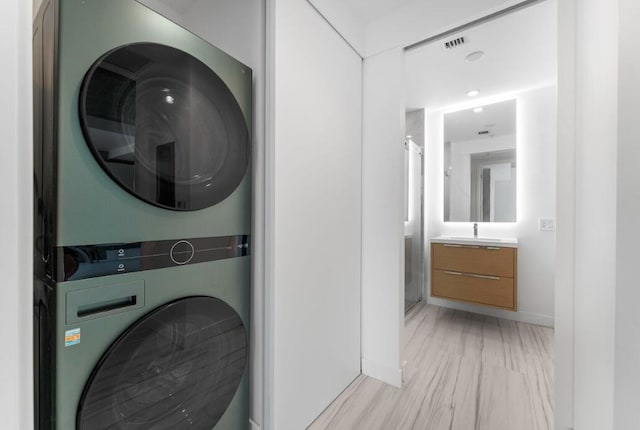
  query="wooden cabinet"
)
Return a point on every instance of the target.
[{"x": 479, "y": 274}]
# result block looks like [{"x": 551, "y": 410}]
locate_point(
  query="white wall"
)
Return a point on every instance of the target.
[
  {"x": 314, "y": 296},
  {"x": 411, "y": 22},
  {"x": 236, "y": 27},
  {"x": 344, "y": 20},
  {"x": 415, "y": 126},
  {"x": 565, "y": 226},
  {"x": 218, "y": 23},
  {"x": 627, "y": 347},
  {"x": 16, "y": 359},
  {"x": 595, "y": 216},
  {"x": 536, "y": 160},
  {"x": 383, "y": 216},
  {"x": 416, "y": 20}
]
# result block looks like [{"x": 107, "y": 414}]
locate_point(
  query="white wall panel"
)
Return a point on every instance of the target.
[
  {"x": 349, "y": 24},
  {"x": 16, "y": 359},
  {"x": 383, "y": 216},
  {"x": 627, "y": 347},
  {"x": 564, "y": 316},
  {"x": 317, "y": 213},
  {"x": 595, "y": 216}
]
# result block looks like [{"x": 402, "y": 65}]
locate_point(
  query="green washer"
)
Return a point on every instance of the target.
[{"x": 142, "y": 222}]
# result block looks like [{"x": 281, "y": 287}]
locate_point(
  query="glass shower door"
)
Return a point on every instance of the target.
[{"x": 413, "y": 229}]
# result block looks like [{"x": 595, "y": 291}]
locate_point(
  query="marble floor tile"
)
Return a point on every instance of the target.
[{"x": 464, "y": 372}]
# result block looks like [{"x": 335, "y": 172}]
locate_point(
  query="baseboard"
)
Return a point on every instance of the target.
[
  {"x": 253, "y": 425},
  {"x": 382, "y": 372},
  {"x": 526, "y": 317}
]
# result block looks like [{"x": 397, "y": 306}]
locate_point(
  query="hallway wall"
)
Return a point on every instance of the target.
[
  {"x": 314, "y": 203},
  {"x": 383, "y": 217},
  {"x": 627, "y": 323},
  {"x": 596, "y": 81},
  {"x": 16, "y": 222}
]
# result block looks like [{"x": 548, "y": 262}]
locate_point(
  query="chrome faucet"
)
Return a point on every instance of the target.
[{"x": 475, "y": 229}]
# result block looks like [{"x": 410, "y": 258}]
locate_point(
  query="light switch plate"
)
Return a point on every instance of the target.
[{"x": 546, "y": 224}]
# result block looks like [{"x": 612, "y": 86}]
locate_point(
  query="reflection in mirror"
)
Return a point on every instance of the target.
[{"x": 480, "y": 164}]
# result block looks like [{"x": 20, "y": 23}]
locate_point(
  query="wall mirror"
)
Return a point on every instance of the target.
[{"x": 480, "y": 170}]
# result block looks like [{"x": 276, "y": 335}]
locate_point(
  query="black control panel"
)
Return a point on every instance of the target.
[{"x": 90, "y": 261}]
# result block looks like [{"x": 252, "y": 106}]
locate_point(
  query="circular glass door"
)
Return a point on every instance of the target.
[
  {"x": 164, "y": 126},
  {"x": 177, "y": 368}
]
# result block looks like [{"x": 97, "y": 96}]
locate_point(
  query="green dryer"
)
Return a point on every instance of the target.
[{"x": 142, "y": 222}]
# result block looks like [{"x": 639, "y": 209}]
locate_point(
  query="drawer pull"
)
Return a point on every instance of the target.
[
  {"x": 493, "y": 278},
  {"x": 493, "y": 248},
  {"x": 449, "y": 245},
  {"x": 472, "y": 275}
]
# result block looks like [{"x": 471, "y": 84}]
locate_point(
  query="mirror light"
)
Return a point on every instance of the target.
[{"x": 479, "y": 174}]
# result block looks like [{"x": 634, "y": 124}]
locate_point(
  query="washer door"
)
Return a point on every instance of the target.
[
  {"x": 177, "y": 368},
  {"x": 164, "y": 126}
]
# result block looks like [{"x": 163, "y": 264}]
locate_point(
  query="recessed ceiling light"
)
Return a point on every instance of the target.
[
  {"x": 478, "y": 110},
  {"x": 473, "y": 93},
  {"x": 475, "y": 56}
]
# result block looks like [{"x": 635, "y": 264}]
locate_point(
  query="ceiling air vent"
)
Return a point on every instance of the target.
[
  {"x": 454, "y": 43},
  {"x": 483, "y": 132}
]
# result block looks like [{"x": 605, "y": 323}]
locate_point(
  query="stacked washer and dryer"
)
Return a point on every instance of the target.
[{"x": 143, "y": 207}]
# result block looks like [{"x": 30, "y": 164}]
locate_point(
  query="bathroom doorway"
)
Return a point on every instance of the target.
[{"x": 489, "y": 110}]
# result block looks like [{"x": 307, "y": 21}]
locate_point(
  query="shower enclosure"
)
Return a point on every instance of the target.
[{"x": 413, "y": 224}]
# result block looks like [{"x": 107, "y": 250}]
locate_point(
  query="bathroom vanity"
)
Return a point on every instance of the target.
[{"x": 482, "y": 271}]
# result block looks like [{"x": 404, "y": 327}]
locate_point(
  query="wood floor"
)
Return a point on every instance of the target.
[{"x": 464, "y": 372}]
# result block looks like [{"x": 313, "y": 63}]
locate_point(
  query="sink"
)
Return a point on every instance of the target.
[{"x": 513, "y": 243}]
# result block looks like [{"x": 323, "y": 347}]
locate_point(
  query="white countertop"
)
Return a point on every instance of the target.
[{"x": 480, "y": 241}]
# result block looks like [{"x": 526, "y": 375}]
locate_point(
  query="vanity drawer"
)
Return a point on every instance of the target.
[
  {"x": 486, "y": 290},
  {"x": 487, "y": 260}
]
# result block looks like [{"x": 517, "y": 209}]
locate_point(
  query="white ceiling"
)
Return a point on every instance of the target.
[
  {"x": 520, "y": 48},
  {"x": 520, "y": 52},
  {"x": 497, "y": 118},
  {"x": 371, "y": 10},
  {"x": 373, "y": 26}
]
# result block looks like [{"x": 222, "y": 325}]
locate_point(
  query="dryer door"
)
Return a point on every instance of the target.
[
  {"x": 164, "y": 126},
  {"x": 177, "y": 368}
]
